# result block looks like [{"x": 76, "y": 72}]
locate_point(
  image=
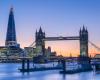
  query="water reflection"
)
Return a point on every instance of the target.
[
  {"x": 64, "y": 77},
  {"x": 10, "y": 72}
]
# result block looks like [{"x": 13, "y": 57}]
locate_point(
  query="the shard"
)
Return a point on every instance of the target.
[{"x": 11, "y": 31}]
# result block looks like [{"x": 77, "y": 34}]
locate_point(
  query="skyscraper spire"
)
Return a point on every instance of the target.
[
  {"x": 83, "y": 28},
  {"x": 40, "y": 30},
  {"x": 11, "y": 9},
  {"x": 11, "y": 32}
]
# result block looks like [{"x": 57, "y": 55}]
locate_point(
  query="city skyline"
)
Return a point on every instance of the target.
[{"x": 29, "y": 19}]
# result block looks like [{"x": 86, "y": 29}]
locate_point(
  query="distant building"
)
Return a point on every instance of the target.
[
  {"x": 31, "y": 52},
  {"x": 97, "y": 56},
  {"x": 11, "y": 48},
  {"x": 49, "y": 53}
]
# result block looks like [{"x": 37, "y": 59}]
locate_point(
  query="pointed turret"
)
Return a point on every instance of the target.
[
  {"x": 80, "y": 31},
  {"x": 83, "y": 28},
  {"x": 86, "y": 30},
  {"x": 40, "y": 30}
]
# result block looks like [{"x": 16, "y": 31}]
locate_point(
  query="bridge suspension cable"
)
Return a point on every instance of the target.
[
  {"x": 94, "y": 45},
  {"x": 25, "y": 53},
  {"x": 32, "y": 45}
]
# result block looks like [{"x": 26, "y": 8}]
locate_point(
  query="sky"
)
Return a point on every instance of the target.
[{"x": 57, "y": 18}]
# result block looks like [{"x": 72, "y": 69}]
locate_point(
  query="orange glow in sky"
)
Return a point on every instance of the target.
[
  {"x": 57, "y": 17},
  {"x": 64, "y": 48}
]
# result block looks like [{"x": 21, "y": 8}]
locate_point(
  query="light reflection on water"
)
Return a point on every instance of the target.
[{"x": 10, "y": 71}]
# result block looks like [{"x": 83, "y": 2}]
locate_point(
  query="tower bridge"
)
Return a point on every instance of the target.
[
  {"x": 40, "y": 39},
  {"x": 82, "y": 38}
]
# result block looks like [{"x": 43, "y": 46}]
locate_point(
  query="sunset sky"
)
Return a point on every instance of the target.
[{"x": 57, "y": 18}]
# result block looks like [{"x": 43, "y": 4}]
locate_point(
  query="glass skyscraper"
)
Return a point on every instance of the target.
[{"x": 11, "y": 31}]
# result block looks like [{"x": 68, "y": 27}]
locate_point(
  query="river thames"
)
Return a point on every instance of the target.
[{"x": 9, "y": 71}]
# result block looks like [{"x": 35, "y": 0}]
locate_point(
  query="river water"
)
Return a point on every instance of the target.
[{"x": 9, "y": 71}]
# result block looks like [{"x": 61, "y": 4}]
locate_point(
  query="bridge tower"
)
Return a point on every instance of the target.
[
  {"x": 83, "y": 42},
  {"x": 39, "y": 39}
]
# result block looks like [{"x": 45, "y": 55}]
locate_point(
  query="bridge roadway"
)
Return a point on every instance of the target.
[{"x": 62, "y": 38}]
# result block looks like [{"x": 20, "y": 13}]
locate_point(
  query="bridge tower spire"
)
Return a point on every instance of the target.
[{"x": 83, "y": 42}]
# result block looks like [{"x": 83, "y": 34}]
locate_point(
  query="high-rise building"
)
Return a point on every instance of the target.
[
  {"x": 11, "y": 48},
  {"x": 11, "y": 31}
]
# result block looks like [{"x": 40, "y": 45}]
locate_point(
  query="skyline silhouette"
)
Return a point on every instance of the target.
[{"x": 56, "y": 17}]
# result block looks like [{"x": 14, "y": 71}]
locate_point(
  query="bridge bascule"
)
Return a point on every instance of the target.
[{"x": 40, "y": 39}]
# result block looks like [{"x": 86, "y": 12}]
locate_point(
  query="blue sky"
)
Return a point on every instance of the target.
[{"x": 57, "y": 17}]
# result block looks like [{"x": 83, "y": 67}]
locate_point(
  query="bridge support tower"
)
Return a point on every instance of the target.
[
  {"x": 83, "y": 42},
  {"x": 40, "y": 43}
]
